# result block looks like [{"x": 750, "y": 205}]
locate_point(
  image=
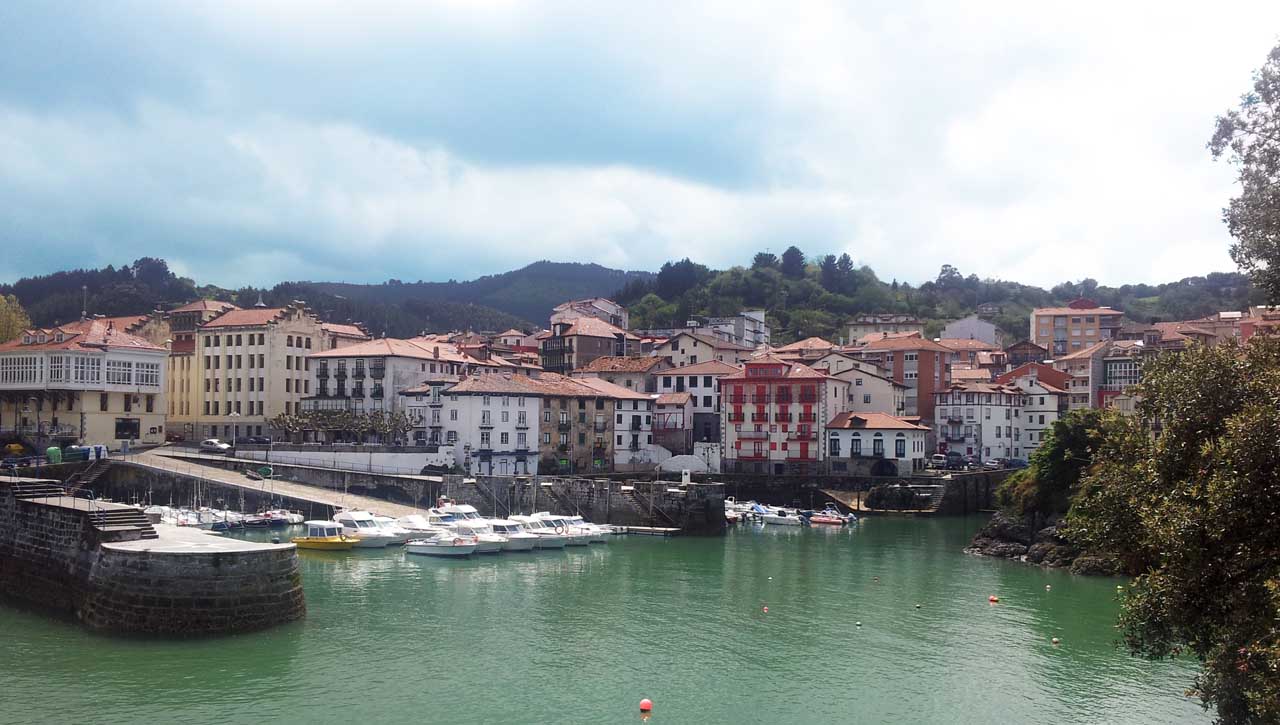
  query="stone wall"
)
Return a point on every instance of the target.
[
  {"x": 374, "y": 459},
  {"x": 43, "y": 559},
  {"x": 132, "y": 483}
]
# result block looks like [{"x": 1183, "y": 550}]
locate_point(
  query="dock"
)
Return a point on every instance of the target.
[{"x": 647, "y": 530}]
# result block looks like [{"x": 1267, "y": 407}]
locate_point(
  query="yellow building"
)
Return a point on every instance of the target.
[
  {"x": 1064, "y": 330},
  {"x": 83, "y": 382}
]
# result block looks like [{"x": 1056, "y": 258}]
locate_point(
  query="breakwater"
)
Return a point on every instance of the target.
[{"x": 103, "y": 564}]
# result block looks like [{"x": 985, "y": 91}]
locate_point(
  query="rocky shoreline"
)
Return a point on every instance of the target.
[{"x": 1005, "y": 537}]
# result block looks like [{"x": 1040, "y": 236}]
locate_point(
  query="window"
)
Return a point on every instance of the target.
[
  {"x": 504, "y": 438},
  {"x": 866, "y": 399},
  {"x": 485, "y": 439},
  {"x": 453, "y": 414},
  {"x": 900, "y": 447},
  {"x": 546, "y": 416},
  {"x": 857, "y": 382},
  {"x": 102, "y": 401}
]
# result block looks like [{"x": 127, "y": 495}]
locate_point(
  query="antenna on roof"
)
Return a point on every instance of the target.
[{"x": 84, "y": 301}]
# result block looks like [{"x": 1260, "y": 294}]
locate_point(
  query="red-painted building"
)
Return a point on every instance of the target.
[{"x": 774, "y": 413}]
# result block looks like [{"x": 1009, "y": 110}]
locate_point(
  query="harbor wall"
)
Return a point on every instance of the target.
[
  {"x": 964, "y": 492},
  {"x": 136, "y": 484},
  {"x": 52, "y": 558},
  {"x": 372, "y": 459}
]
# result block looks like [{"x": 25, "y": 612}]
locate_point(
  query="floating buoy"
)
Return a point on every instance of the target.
[
  {"x": 1055, "y": 640},
  {"x": 857, "y": 624},
  {"x": 646, "y": 705},
  {"x": 766, "y": 610},
  {"x": 770, "y": 578},
  {"x": 1119, "y": 587},
  {"x": 917, "y": 606},
  {"x": 1047, "y": 587},
  {"x": 993, "y": 599}
]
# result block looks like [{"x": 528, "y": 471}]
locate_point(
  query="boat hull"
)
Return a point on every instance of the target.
[
  {"x": 552, "y": 542},
  {"x": 372, "y": 542},
  {"x": 518, "y": 544},
  {"x": 324, "y": 544},
  {"x": 440, "y": 550}
]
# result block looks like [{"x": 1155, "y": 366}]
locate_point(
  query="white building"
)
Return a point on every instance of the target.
[
  {"x": 702, "y": 382},
  {"x": 972, "y": 328},
  {"x": 995, "y": 420},
  {"x": 82, "y": 382},
  {"x": 900, "y": 444},
  {"x": 600, "y": 308},
  {"x": 870, "y": 392},
  {"x": 748, "y": 328},
  {"x": 492, "y": 421},
  {"x": 635, "y": 448},
  {"x": 688, "y": 348}
]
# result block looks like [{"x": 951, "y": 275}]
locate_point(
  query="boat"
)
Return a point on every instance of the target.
[
  {"x": 487, "y": 541},
  {"x": 291, "y": 517},
  {"x": 324, "y": 536},
  {"x": 574, "y": 536},
  {"x": 832, "y": 517},
  {"x": 547, "y": 536},
  {"x": 398, "y": 534},
  {"x": 781, "y": 517},
  {"x": 517, "y": 538},
  {"x": 442, "y": 544},
  {"x": 430, "y": 523},
  {"x": 597, "y": 533},
  {"x": 360, "y": 526}
]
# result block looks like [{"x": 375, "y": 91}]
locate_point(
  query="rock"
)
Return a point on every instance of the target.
[
  {"x": 1048, "y": 534},
  {"x": 1052, "y": 554},
  {"x": 1005, "y": 528},
  {"x": 997, "y": 548},
  {"x": 1094, "y": 566}
]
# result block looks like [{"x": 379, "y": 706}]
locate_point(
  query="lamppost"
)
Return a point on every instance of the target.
[{"x": 235, "y": 428}]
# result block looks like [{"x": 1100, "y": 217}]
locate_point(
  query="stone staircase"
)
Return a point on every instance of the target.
[
  {"x": 653, "y": 516},
  {"x": 85, "y": 477},
  {"x": 26, "y": 491},
  {"x": 123, "y": 520}
]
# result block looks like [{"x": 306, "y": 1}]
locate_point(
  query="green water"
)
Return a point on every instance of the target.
[{"x": 581, "y": 636}]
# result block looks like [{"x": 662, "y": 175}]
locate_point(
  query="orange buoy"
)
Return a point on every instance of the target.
[
  {"x": 993, "y": 599},
  {"x": 646, "y": 705},
  {"x": 766, "y": 610}
]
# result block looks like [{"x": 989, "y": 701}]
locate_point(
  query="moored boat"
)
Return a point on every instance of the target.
[
  {"x": 443, "y": 544},
  {"x": 547, "y": 536},
  {"x": 324, "y": 536},
  {"x": 517, "y": 538},
  {"x": 360, "y": 526}
]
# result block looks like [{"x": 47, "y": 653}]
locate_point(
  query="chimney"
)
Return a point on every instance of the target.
[{"x": 435, "y": 352}]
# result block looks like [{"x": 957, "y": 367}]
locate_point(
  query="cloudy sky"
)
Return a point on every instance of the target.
[{"x": 252, "y": 142}]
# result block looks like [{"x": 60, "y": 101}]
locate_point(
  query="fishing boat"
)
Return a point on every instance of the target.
[
  {"x": 442, "y": 544},
  {"x": 517, "y": 538},
  {"x": 324, "y": 536}
]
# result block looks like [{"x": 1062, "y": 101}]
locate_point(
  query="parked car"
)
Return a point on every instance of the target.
[
  {"x": 254, "y": 440},
  {"x": 972, "y": 463},
  {"x": 213, "y": 445},
  {"x": 955, "y": 461},
  {"x": 938, "y": 460},
  {"x": 172, "y": 437},
  {"x": 1015, "y": 463},
  {"x": 995, "y": 464}
]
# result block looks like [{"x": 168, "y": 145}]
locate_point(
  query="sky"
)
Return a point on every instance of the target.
[{"x": 260, "y": 141}]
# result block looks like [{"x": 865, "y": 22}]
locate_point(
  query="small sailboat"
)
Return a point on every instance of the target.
[{"x": 324, "y": 536}]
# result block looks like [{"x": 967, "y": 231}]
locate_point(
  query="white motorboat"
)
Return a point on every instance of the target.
[
  {"x": 517, "y": 538},
  {"x": 292, "y": 518},
  {"x": 783, "y": 517},
  {"x": 430, "y": 523},
  {"x": 597, "y": 534},
  {"x": 360, "y": 526},
  {"x": 399, "y": 534},
  {"x": 574, "y": 535},
  {"x": 547, "y": 536},
  {"x": 487, "y": 541},
  {"x": 444, "y": 543}
]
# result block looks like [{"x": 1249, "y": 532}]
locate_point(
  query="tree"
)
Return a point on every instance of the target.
[
  {"x": 1046, "y": 486},
  {"x": 13, "y": 319},
  {"x": 1194, "y": 511},
  {"x": 793, "y": 263},
  {"x": 844, "y": 270},
  {"x": 1250, "y": 137},
  {"x": 764, "y": 260},
  {"x": 830, "y": 272},
  {"x": 949, "y": 276}
]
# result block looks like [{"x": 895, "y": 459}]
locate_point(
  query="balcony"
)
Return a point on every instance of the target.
[
  {"x": 807, "y": 418},
  {"x": 377, "y": 392},
  {"x": 752, "y": 456},
  {"x": 737, "y": 399},
  {"x": 753, "y": 434},
  {"x": 759, "y": 417},
  {"x": 522, "y": 425},
  {"x": 322, "y": 372},
  {"x": 797, "y": 456},
  {"x": 737, "y": 418},
  {"x": 635, "y": 425},
  {"x": 377, "y": 372},
  {"x": 782, "y": 417},
  {"x": 802, "y": 435},
  {"x": 808, "y": 398},
  {"x": 358, "y": 372},
  {"x": 600, "y": 427},
  {"x": 341, "y": 374},
  {"x": 486, "y": 424},
  {"x": 564, "y": 426},
  {"x": 761, "y": 398}
]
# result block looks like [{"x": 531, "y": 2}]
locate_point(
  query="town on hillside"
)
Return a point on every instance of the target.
[{"x": 589, "y": 393}]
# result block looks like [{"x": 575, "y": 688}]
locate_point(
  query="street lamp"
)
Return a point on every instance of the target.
[{"x": 235, "y": 428}]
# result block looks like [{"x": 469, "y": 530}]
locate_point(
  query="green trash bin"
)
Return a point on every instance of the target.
[{"x": 53, "y": 454}]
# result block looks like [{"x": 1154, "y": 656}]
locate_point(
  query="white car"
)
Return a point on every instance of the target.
[{"x": 213, "y": 445}]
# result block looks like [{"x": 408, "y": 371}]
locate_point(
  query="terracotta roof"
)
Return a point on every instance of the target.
[
  {"x": 610, "y": 390},
  {"x": 254, "y": 317},
  {"x": 1171, "y": 331},
  {"x": 959, "y": 343},
  {"x": 1086, "y": 351},
  {"x": 392, "y": 347},
  {"x": 1024, "y": 344},
  {"x": 809, "y": 343},
  {"x": 81, "y": 335},
  {"x": 710, "y": 367},
  {"x": 424, "y": 387},
  {"x": 123, "y": 323},
  {"x": 991, "y": 357},
  {"x": 904, "y": 343},
  {"x": 873, "y": 336},
  {"x": 1102, "y": 311},
  {"x": 793, "y": 369},
  {"x": 1043, "y": 373},
  {"x": 972, "y": 387},
  {"x": 205, "y": 306},
  {"x": 502, "y": 384},
  {"x": 871, "y": 421},
  {"x": 674, "y": 398},
  {"x": 714, "y": 342},
  {"x": 335, "y": 328},
  {"x": 513, "y": 332},
  {"x": 970, "y": 374},
  {"x": 593, "y": 327},
  {"x": 614, "y": 364}
]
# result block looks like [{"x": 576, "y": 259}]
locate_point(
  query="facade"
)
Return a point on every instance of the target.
[
  {"x": 369, "y": 376},
  {"x": 1044, "y": 402},
  {"x": 1064, "y": 330},
  {"x": 965, "y": 351},
  {"x": 573, "y": 344},
  {"x": 492, "y": 421},
  {"x": 83, "y": 382},
  {"x": 982, "y": 419},
  {"x": 248, "y": 367},
  {"x": 870, "y": 392},
  {"x": 673, "y": 422},
  {"x": 748, "y": 328},
  {"x": 599, "y": 308},
  {"x": 575, "y": 430},
  {"x": 1085, "y": 368},
  {"x": 634, "y": 446},
  {"x": 900, "y": 446},
  {"x": 1121, "y": 370},
  {"x": 884, "y": 322},
  {"x": 688, "y": 348},
  {"x": 702, "y": 382},
  {"x": 916, "y": 363},
  {"x": 1023, "y": 352},
  {"x": 633, "y": 373},
  {"x": 342, "y": 335},
  {"x": 424, "y": 404},
  {"x": 773, "y": 416},
  {"x": 972, "y": 327}
]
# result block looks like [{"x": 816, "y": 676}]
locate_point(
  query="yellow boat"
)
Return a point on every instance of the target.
[{"x": 324, "y": 536}]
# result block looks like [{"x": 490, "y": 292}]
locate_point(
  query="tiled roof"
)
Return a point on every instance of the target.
[
  {"x": 81, "y": 335},
  {"x": 513, "y": 332},
  {"x": 1171, "y": 331},
  {"x": 610, "y": 390},
  {"x": 335, "y": 328},
  {"x": 1102, "y": 311},
  {"x": 254, "y": 317},
  {"x": 809, "y": 343},
  {"x": 970, "y": 374},
  {"x": 904, "y": 343},
  {"x": 674, "y": 398},
  {"x": 123, "y": 323},
  {"x": 793, "y": 369},
  {"x": 500, "y": 384},
  {"x": 714, "y": 342},
  {"x": 1023, "y": 344},
  {"x": 592, "y": 327},
  {"x": 872, "y": 421},
  {"x": 1086, "y": 351},
  {"x": 959, "y": 343},
  {"x": 873, "y": 336},
  {"x": 205, "y": 306},
  {"x": 614, "y": 364},
  {"x": 975, "y": 387},
  {"x": 710, "y": 367},
  {"x": 1042, "y": 372}
]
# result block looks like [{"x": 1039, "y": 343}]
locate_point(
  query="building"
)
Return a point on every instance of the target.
[
  {"x": 673, "y": 422},
  {"x": 599, "y": 308},
  {"x": 1036, "y": 371},
  {"x": 492, "y": 421},
  {"x": 689, "y": 348},
  {"x": 575, "y": 430},
  {"x": 1064, "y": 330},
  {"x": 702, "y": 382},
  {"x": 837, "y": 362},
  {"x": 633, "y": 373},
  {"x": 342, "y": 335},
  {"x": 424, "y": 404},
  {"x": 1085, "y": 367},
  {"x": 917, "y": 363},
  {"x": 774, "y": 412},
  {"x": 871, "y": 392},
  {"x": 900, "y": 446},
  {"x": 83, "y": 382},
  {"x": 806, "y": 350},
  {"x": 249, "y": 366},
  {"x": 1044, "y": 402},
  {"x": 981, "y": 419},
  {"x": 748, "y": 328},
  {"x": 1121, "y": 370},
  {"x": 634, "y": 447},
  {"x": 1023, "y": 352},
  {"x": 886, "y": 322},
  {"x": 965, "y": 350},
  {"x": 973, "y": 327},
  {"x": 182, "y": 379},
  {"x": 152, "y": 327},
  {"x": 574, "y": 343}
]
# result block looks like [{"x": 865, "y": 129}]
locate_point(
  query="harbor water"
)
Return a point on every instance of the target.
[{"x": 581, "y": 635}]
